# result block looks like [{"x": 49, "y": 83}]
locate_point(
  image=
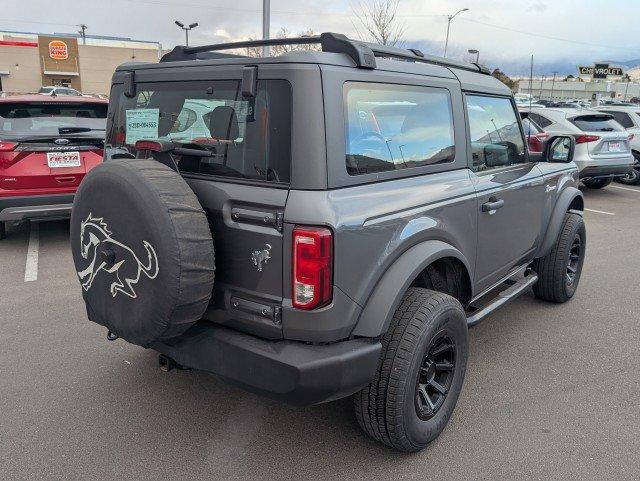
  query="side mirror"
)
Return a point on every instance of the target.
[{"x": 560, "y": 149}]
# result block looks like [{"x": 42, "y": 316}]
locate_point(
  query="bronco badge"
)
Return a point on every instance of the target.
[
  {"x": 96, "y": 239},
  {"x": 261, "y": 257}
]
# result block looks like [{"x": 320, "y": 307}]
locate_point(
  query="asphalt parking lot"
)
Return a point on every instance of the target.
[{"x": 551, "y": 391}]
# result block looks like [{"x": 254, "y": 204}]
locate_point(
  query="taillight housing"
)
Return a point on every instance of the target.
[
  {"x": 583, "y": 139},
  {"x": 7, "y": 155},
  {"x": 312, "y": 267}
]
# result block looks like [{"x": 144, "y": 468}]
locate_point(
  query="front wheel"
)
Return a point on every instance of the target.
[
  {"x": 633, "y": 177},
  {"x": 420, "y": 372},
  {"x": 559, "y": 271},
  {"x": 599, "y": 183}
]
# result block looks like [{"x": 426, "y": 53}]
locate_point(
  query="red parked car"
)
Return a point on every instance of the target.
[{"x": 47, "y": 145}]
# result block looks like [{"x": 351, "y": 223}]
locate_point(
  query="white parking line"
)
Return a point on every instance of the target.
[
  {"x": 600, "y": 212},
  {"x": 624, "y": 188},
  {"x": 31, "y": 268}
]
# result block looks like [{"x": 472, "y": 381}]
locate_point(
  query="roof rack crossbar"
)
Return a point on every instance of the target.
[{"x": 362, "y": 53}]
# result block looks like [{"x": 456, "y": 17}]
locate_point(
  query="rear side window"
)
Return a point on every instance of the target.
[
  {"x": 529, "y": 127},
  {"x": 393, "y": 127},
  {"x": 244, "y": 138},
  {"x": 540, "y": 120},
  {"x": 596, "y": 123},
  {"x": 496, "y": 139},
  {"x": 623, "y": 119}
]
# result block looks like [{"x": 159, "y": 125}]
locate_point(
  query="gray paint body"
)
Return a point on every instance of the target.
[{"x": 387, "y": 226}]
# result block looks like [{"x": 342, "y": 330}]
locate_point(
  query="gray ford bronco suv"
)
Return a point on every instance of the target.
[{"x": 322, "y": 224}]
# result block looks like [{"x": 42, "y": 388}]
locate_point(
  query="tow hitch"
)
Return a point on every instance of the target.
[{"x": 168, "y": 364}]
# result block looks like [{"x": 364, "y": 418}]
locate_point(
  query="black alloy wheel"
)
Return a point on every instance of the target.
[{"x": 435, "y": 376}]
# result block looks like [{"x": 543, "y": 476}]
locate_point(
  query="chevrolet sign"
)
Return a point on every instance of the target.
[{"x": 601, "y": 71}]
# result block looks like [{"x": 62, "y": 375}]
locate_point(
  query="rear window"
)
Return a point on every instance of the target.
[
  {"x": 244, "y": 138},
  {"x": 596, "y": 123},
  {"x": 393, "y": 127},
  {"x": 623, "y": 119},
  {"x": 20, "y": 120}
]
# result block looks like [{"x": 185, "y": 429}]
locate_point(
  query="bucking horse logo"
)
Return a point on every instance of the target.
[{"x": 97, "y": 243}]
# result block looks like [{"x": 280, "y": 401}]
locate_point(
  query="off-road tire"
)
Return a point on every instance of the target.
[
  {"x": 599, "y": 183},
  {"x": 387, "y": 408},
  {"x": 3, "y": 231},
  {"x": 552, "y": 269}
]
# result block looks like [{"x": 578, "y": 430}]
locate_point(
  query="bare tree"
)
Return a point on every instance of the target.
[
  {"x": 379, "y": 20},
  {"x": 282, "y": 49}
]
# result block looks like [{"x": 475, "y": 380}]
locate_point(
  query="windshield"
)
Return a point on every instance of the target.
[
  {"x": 47, "y": 119},
  {"x": 247, "y": 138}
]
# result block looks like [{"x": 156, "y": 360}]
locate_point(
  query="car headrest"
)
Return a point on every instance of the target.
[
  {"x": 21, "y": 114},
  {"x": 223, "y": 123}
]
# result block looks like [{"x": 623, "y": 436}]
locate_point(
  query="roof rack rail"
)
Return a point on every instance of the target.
[{"x": 362, "y": 53}]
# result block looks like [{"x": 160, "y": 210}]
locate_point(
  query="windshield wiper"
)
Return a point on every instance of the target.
[{"x": 75, "y": 130}]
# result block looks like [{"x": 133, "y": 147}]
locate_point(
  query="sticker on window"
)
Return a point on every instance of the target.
[{"x": 142, "y": 124}]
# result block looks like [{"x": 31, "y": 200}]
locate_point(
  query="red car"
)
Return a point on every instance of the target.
[{"x": 47, "y": 145}]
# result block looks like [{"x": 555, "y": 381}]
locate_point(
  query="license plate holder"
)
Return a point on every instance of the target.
[
  {"x": 615, "y": 147},
  {"x": 57, "y": 160}
]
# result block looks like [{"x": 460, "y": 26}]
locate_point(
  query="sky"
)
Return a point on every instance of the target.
[{"x": 560, "y": 34}]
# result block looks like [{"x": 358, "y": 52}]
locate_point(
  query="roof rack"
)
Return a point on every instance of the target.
[{"x": 362, "y": 53}]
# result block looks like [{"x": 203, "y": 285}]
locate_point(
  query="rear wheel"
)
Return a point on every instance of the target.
[
  {"x": 559, "y": 271},
  {"x": 420, "y": 373},
  {"x": 3, "y": 231},
  {"x": 597, "y": 183},
  {"x": 633, "y": 177}
]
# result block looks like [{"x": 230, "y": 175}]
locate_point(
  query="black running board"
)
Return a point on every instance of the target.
[{"x": 503, "y": 298}]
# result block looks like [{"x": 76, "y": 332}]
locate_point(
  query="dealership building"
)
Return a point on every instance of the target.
[{"x": 29, "y": 61}]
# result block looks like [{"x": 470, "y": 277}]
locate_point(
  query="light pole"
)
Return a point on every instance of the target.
[
  {"x": 186, "y": 29},
  {"x": 553, "y": 84},
  {"x": 449, "y": 18},
  {"x": 475, "y": 52},
  {"x": 266, "y": 20}
]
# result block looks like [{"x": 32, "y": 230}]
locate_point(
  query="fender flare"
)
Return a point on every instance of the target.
[
  {"x": 387, "y": 295},
  {"x": 565, "y": 200}
]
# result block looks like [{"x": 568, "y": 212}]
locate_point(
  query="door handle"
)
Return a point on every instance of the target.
[
  {"x": 62, "y": 180},
  {"x": 492, "y": 205}
]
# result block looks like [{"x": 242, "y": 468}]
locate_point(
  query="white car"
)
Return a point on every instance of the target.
[
  {"x": 629, "y": 118},
  {"x": 603, "y": 149},
  {"x": 58, "y": 90}
]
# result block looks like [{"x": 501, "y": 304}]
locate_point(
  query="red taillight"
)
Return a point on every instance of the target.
[
  {"x": 312, "y": 266},
  {"x": 7, "y": 155},
  {"x": 151, "y": 145},
  {"x": 583, "y": 139},
  {"x": 7, "y": 146}
]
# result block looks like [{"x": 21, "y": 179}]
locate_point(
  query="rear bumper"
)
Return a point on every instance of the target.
[
  {"x": 595, "y": 171},
  {"x": 294, "y": 372},
  {"x": 35, "y": 207}
]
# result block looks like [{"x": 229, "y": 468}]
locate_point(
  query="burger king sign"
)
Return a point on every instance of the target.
[{"x": 58, "y": 50}]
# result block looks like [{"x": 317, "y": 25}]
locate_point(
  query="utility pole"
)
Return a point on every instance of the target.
[
  {"x": 553, "y": 84},
  {"x": 186, "y": 29},
  {"x": 449, "y": 18},
  {"x": 266, "y": 21},
  {"x": 82, "y": 33}
]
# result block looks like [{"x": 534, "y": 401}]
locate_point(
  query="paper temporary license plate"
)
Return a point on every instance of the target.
[
  {"x": 63, "y": 159},
  {"x": 615, "y": 147}
]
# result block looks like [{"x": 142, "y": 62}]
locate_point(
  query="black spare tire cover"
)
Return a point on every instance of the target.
[{"x": 142, "y": 249}]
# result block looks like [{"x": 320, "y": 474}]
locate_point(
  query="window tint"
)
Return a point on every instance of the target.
[
  {"x": 623, "y": 119},
  {"x": 596, "y": 123},
  {"x": 529, "y": 127},
  {"x": 245, "y": 138},
  {"x": 392, "y": 127},
  {"x": 540, "y": 120},
  {"x": 496, "y": 139}
]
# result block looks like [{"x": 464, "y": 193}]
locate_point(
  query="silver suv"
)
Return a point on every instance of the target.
[
  {"x": 603, "y": 148},
  {"x": 344, "y": 218}
]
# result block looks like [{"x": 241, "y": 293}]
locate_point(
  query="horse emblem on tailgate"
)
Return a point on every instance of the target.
[{"x": 260, "y": 257}]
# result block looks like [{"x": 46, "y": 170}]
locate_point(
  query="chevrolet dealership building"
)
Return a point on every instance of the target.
[{"x": 29, "y": 61}]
